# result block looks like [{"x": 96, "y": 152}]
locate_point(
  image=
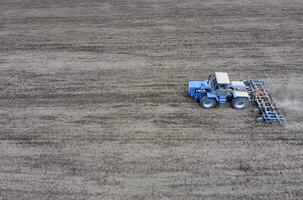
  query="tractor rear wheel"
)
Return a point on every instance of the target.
[
  {"x": 208, "y": 102},
  {"x": 239, "y": 102}
]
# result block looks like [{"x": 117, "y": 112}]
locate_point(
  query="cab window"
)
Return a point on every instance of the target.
[
  {"x": 221, "y": 86},
  {"x": 214, "y": 83}
]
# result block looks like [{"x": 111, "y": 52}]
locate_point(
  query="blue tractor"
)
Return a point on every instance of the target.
[{"x": 218, "y": 89}]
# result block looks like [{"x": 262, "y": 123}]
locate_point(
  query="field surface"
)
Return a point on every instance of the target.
[{"x": 93, "y": 99}]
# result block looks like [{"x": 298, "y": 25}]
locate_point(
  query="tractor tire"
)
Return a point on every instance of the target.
[
  {"x": 239, "y": 103},
  {"x": 208, "y": 102}
]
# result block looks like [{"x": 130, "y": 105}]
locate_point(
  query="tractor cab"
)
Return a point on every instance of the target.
[
  {"x": 221, "y": 85},
  {"x": 219, "y": 80}
]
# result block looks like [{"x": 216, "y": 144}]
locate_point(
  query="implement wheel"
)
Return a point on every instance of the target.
[
  {"x": 208, "y": 102},
  {"x": 239, "y": 102}
]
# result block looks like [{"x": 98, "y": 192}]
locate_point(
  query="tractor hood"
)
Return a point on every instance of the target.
[{"x": 195, "y": 87}]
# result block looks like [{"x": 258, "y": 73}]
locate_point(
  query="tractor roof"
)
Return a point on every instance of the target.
[{"x": 222, "y": 78}]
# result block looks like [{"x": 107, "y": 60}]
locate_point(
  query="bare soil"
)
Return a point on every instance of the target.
[{"x": 94, "y": 105}]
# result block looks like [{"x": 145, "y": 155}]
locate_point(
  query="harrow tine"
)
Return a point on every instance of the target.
[{"x": 258, "y": 92}]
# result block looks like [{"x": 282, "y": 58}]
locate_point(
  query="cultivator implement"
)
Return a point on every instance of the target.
[{"x": 258, "y": 92}]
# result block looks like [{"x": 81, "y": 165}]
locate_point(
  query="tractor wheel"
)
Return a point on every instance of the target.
[
  {"x": 239, "y": 103},
  {"x": 208, "y": 102}
]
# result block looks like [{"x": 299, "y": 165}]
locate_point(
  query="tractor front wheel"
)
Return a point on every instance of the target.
[
  {"x": 208, "y": 102},
  {"x": 239, "y": 103}
]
